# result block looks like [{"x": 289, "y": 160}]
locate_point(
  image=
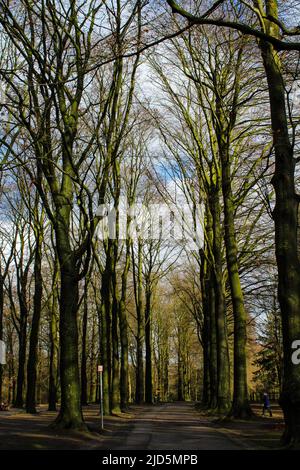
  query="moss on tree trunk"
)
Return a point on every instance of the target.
[
  {"x": 285, "y": 216},
  {"x": 34, "y": 333},
  {"x": 223, "y": 371}
]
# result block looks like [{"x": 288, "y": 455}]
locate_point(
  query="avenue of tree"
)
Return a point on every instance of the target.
[{"x": 109, "y": 109}]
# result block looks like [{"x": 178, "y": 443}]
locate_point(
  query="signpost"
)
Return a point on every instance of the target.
[{"x": 100, "y": 372}]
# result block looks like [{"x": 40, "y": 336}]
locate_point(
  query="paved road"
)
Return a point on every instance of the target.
[{"x": 172, "y": 427}]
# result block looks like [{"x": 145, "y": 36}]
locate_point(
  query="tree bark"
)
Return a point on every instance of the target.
[
  {"x": 105, "y": 335},
  {"x": 19, "y": 401},
  {"x": 124, "y": 356},
  {"x": 223, "y": 372},
  {"x": 211, "y": 312},
  {"x": 123, "y": 325},
  {"x": 205, "y": 399},
  {"x": 286, "y": 218},
  {"x": 180, "y": 384},
  {"x": 53, "y": 363},
  {"x": 22, "y": 336},
  {"x": 140, "y": 391},
  {"x": 70, "y": 414},
  {"x": 213, "y": 356},
  {"x": 1, "y": 326},
  {"x": 148, "y": 346},
  {"x": 115, "y": 385},
  {"x": 84, "y": 399},
  {"x": 240, "y": 407},
  {"x": 35, "y": 326},
  {"x": 93, "y": 369}
]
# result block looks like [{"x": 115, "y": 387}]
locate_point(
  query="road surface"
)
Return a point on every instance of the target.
[{"x": 174, "y": 426}]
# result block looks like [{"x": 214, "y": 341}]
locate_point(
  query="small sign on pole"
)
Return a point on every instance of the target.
[
  {"x": 100, "y": 372},
  {"x": 2, "y": 352}
]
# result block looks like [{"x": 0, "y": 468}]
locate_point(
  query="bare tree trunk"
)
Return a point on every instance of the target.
[
  {"x": 148, "y": 346},
  {"x": 123, "y": 325},
  {"x": 115, "y": 385},
  {"x": 1, "y": 327},
  {"x": 205, "y": 399},
  {"x": 211, "y": 312},
  {"x": 180, "y": 384},
  {"x": 93, "y": 369},
  {"x": 223, "y": 373},
  {"x": 34, "y": 333},
  {"x": 240, "y": 407},
  {"x": 84, "y": 400},
  {"x": 140, "y": 391},
  {"x": 70, "y": 414},
  {"x": 53, "y": 360},
  {"x": 19, "y": 401},
  {"x": 286, "y": 213},
  {"x": 105, "y": 335}
]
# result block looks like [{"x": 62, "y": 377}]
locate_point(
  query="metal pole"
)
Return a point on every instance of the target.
[{"x": 101, "y": 400}]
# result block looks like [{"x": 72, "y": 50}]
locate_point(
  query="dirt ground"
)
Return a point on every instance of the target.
[
  {"x": 262, "y": 431},
  {"x": 152, "y": 427},
  {"x": 19, "y": 430}
]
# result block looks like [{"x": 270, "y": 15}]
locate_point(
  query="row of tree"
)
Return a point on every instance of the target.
[{"x": 79, "y": 137}]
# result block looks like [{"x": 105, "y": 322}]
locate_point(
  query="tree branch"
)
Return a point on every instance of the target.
[{"x": 278, "y": 44}]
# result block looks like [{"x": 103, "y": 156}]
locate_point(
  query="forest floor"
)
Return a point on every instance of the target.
[
  {"x": 260, "y": 432},
  {"x": 172, "y": 426}
]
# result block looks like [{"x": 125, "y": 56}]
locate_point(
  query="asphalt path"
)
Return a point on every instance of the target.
[{"x": 172, "y": 426}]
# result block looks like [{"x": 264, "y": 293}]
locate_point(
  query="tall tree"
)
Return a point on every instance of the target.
[
  {"x": 38, "y": 222},
  {"x": 271, "y": 33}
]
